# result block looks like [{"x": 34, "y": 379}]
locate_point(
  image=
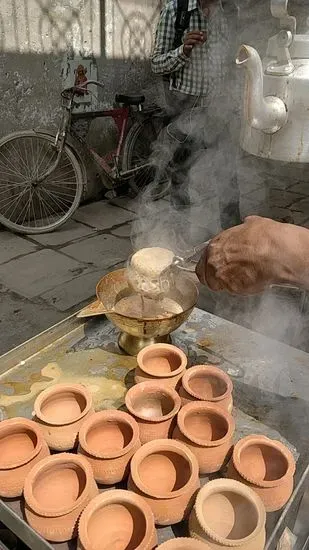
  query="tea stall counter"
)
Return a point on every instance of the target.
[{"x": 271, "y": 389}]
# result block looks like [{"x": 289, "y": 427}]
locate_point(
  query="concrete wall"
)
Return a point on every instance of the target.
[
  {"x": 37, "y": 37},
  {"x": 40, "y": 38}
]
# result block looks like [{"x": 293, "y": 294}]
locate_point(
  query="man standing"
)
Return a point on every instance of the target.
[{"x": 197, "y": 75}]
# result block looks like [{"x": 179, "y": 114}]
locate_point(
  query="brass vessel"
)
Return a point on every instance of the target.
[{"x": 138, "y": 333}]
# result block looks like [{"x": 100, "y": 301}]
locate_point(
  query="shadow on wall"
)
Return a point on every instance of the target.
[{"x": 38, "y": 36}]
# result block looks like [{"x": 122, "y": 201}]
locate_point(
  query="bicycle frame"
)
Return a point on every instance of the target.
[{"x": 120, "y": 116}]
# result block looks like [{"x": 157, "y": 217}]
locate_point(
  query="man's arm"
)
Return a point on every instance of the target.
[
  {"x": 165, "y": 59},
  {"x": 248, "y": 258}
]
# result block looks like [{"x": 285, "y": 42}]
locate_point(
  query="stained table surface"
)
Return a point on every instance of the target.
[{"x": 271, "y": 383}]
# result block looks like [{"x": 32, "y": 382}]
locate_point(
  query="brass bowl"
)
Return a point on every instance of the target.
[{"x": 139, "y": 333}]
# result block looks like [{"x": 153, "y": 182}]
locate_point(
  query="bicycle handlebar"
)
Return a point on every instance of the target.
[{"x": 81, "y": 87}]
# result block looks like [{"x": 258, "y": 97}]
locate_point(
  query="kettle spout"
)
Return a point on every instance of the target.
[{"x": 269, "y": 113}]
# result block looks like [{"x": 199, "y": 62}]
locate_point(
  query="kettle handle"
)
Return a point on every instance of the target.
[{"x": 279, "y": 9}]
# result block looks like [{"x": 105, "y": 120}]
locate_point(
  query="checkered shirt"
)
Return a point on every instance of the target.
[{"x": 204, "y": 73}]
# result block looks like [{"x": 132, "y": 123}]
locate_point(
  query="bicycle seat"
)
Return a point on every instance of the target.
[{"x": 130, "y": 99}]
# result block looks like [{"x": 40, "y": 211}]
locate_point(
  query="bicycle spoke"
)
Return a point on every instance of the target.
[
  {"x": 59, "y": 203},
  {"x": 60, "y": 178},
  {"x": 24, "y": 209},
  {"x": 39, "y": 202},
  {"x": 17, "y": 203},
  {"x": 61, "y": 193},
  {"x": 11, "y": 184},
  {"x": 21, "y": 159},
  {"x": 8, "y": 172},
  {"x": 42, "y": 201},
  {"x": 14, "y": 169},
  {"x": 24, "y": 204},
  {"x": 11, "y": 198},
  {"x": 38, "y": 154},
  {"x": 42, "y": 160},
  {"x": 50, "y": 206},
  {"x": 33, "y": 207},
  {"x": 27, "y": 160}
]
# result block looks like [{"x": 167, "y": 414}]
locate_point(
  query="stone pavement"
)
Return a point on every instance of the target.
[{"x": 43, "y": 279}]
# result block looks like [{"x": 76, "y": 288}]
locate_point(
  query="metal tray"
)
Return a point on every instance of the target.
[{"x": 271, "y": 385}]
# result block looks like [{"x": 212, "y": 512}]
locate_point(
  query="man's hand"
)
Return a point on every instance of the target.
[
  {"x": 192, "y": 39},
  {"x": 248, "y": 258}
]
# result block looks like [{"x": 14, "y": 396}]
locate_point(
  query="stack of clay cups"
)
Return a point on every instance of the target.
[{"x": 162, "y": 444}]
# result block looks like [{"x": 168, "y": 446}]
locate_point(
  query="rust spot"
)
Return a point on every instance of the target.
[{"x": 205, "y": 343}]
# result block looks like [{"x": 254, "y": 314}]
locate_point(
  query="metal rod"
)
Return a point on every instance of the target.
[{"x": 287, "y": 509}]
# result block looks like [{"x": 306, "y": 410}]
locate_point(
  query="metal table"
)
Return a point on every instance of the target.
[{"x": 271, "y": 382}]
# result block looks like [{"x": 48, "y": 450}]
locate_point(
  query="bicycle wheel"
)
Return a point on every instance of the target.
[
  {"x": 137, "y": 152},
  {"x": 29, "y": 207}
]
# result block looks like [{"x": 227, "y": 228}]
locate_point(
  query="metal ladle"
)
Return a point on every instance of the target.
[
  {"x": 183, "y": 262},
  {"x": 163, "y": 282}
]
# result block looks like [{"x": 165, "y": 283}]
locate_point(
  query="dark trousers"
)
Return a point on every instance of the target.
[
  {"x": 227, "y": 190},
  {"x": 202, "y": 136}
]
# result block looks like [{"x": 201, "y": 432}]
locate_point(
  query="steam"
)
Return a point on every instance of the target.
[
  {"x": 279, "y": 313},
  {"x": 208, "y": 181},
  {"x": 212, "y": 120}
]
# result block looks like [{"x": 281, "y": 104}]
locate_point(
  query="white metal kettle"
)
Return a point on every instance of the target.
[{"x": 276, "y": 101}]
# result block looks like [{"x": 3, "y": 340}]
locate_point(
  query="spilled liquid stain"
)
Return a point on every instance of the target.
[
  {"x": 21, "y": 388},
  {"x": 205, "y": 343},
  {"x": 104, "y": 373}
]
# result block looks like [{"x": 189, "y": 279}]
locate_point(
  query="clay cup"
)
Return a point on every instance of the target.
[
  {"x": 127, "y": 521},
  {"x": 56, "y": 491},
  {"x": 60, "y": 411},
  {"x": 21, "y": 446},
  {"x": 161, "y": 363},
  {"x": 154, "y": 408},
  {"x": 165, "y": 474},
  {"x": 108, "y": 439},
  {"x": 207, "y": 383}
]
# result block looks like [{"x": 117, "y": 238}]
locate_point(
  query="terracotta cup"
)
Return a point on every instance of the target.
[
  {"x": 21, "y": 446},
  {"x": 154, "y": 409},
  {"x": 184, "y": 544},
  {"x": 162, "y": 363},
  {"x": 108, "y": 439},
  {"x": 122, "y": 519},
  {"x": 265, "y": 465},
  {"x": 60, "y": 411},
  {"x": 228, "y": 514},
  {"x": 208, "y": 432},
  {"x": 165, "y": 474},
  {"x": 207, "y": 383},
  {"x": 56, "y": 491}
]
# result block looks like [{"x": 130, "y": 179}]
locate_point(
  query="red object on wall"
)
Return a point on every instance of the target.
[{"x": 80, "y": 78}]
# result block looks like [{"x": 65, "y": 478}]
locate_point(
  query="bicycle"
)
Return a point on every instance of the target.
[{"x": 43, "y": 176}]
